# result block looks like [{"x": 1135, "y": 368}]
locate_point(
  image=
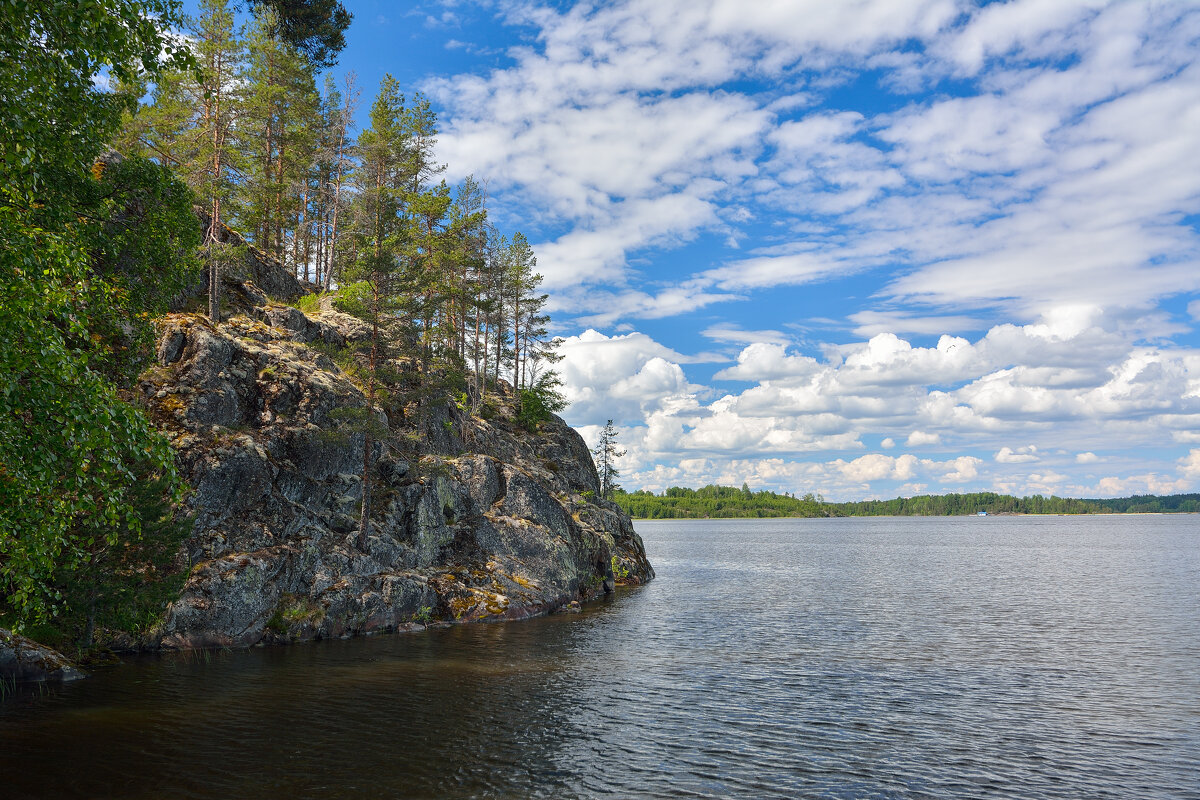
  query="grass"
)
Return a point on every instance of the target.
[{"x": 310, "y": 304}]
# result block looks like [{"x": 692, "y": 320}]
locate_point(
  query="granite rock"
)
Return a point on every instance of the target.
[{"x": 490, "y": 522}]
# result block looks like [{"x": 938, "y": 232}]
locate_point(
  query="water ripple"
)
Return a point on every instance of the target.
[{"x": 880, "y": 658}]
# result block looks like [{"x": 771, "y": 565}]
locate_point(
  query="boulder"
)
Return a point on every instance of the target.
[{"x": 23, "y": 660}]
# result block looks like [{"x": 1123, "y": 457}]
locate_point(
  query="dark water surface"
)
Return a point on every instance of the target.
[{"x": 1040, "y": 657}]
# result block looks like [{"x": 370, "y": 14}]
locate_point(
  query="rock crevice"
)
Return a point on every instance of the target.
[{"x": 491, "y": 522}]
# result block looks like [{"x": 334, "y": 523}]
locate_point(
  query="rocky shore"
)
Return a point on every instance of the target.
[{"x": 491, "y": 522}]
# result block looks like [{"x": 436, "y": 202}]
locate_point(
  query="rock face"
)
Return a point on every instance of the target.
[
  {"x": 23, "y": 659},
  {"x": 492, "y": 522},
  {"x": 248, "y": 280}
]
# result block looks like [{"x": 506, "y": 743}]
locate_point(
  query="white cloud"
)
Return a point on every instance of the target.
[
  {"x": 921, "y": 439},
  {"x": 763, "y": 361},
  {"x": 734, "y": 335},
  {"x": 1021, "y": 455},
  {"x": 798, "y": 405},
  {"x": 963, "y": 468},
  {"x": 1048, "y": 198},
  {"x": 1149, "y": 483},
  {"x": 622, "y": 377},
  {"x": 875, "y": 466},
  {"x": 633, "y": 304},
  {"x": 1053, "y": 183},
  {"x": 1190, "y": 464},
  {"x": 871, "y": 323},
  {"x": 766, "y": 271}
]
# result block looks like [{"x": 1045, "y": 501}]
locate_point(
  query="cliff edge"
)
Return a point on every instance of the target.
[{"x": 491, "y": 522}]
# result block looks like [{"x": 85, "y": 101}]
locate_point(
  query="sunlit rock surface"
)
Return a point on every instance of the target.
[{"x": 492, "y": 522}]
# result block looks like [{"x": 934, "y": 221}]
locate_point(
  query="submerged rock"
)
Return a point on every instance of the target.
[{"x": 491, "y": 522}]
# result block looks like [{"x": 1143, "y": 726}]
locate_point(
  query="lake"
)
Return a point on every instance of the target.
[{"x": 975, "y": 657}]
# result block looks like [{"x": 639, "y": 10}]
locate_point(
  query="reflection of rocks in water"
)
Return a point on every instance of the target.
[{"x": 493, "y": 523}]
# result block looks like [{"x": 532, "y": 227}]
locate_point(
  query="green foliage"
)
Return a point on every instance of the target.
[
  {"x": 276, "y": 135},
  {"x": 537, "y": 403},
  {"x": 725, "y": 502},
  {"x": 717, "y": 502},
  {"x": 141, "y": 234},
  {"x": 605, "y": 454},
  {"x": 77, "y": 289},
  {"x": 292, "y": 610},
  {"x": 126, "y": 584},
  {"x": 54, "y": 116},
  {"x": 965, "y": 504},
  {"x": 314, "y": 27},
  {"x": 619, "y": 570},
  {"x": 310, "y": 304},
  {"x": 67, "y": 442},
  {"x": 1152, "y": 504}
]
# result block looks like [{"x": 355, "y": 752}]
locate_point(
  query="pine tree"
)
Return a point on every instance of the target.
[
  {"x": 520, "y": 280},
  {"x": 191, "y": 122},
  {"x": 335, "y": 167},
  {"x": 605, "y": 455},
  {"x": 469, "y": 234},
  {"x": 374, "y": 294},
  {"x": 316, "y": 28},
  {"x": 220, "y": 54},
  {"x": 278, "y": 138}
]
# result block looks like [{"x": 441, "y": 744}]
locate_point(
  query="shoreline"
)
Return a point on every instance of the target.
[{"x": 931, "y": 516}]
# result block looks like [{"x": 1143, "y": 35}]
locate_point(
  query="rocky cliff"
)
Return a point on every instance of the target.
[{"x": 491, "y": 522}]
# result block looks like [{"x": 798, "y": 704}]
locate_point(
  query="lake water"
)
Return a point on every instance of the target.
[{"x": 1045, "y": 657}]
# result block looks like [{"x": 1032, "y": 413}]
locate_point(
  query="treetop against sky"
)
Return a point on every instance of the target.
[{"x": 860, "y": 248}]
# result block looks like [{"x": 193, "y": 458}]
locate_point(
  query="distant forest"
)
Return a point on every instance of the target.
[{"x": 725, "y": 502}]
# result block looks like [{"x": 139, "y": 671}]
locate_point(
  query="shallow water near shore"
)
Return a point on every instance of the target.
[{"x": 1054, "y": 657}]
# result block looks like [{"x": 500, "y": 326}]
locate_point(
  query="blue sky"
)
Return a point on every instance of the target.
[{"x": 866, "y": 248}]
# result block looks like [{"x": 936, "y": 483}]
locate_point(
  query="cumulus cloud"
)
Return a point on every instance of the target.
[
  {"x": 1021, "y": 455},
  {"x": 799, "y": 405},
  {"x": 623, "y": 377},
  {"x": 962, "y": 469},
  {"x": 921, "y": 439},
  {"x": 1190, "y": 464},
  {"x": 1148, "y": 483},
  {"x": 764, "y": 361},
  {"x": 1031, "y": 220}
]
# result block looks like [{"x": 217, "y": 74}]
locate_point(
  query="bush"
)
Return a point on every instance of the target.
[
  {"x": 310, "y": 304},
  {"x": 536, "y": 404}
]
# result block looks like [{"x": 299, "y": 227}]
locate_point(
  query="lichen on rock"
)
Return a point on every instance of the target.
[
  {"x": 23, "y": 659},
  {"x": 491, "y": 522}
]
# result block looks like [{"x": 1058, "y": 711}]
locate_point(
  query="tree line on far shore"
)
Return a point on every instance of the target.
[{"x": 727, "y": 502}]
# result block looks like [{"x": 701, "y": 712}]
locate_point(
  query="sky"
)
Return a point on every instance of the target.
[{"x": 864, "y": 249}]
